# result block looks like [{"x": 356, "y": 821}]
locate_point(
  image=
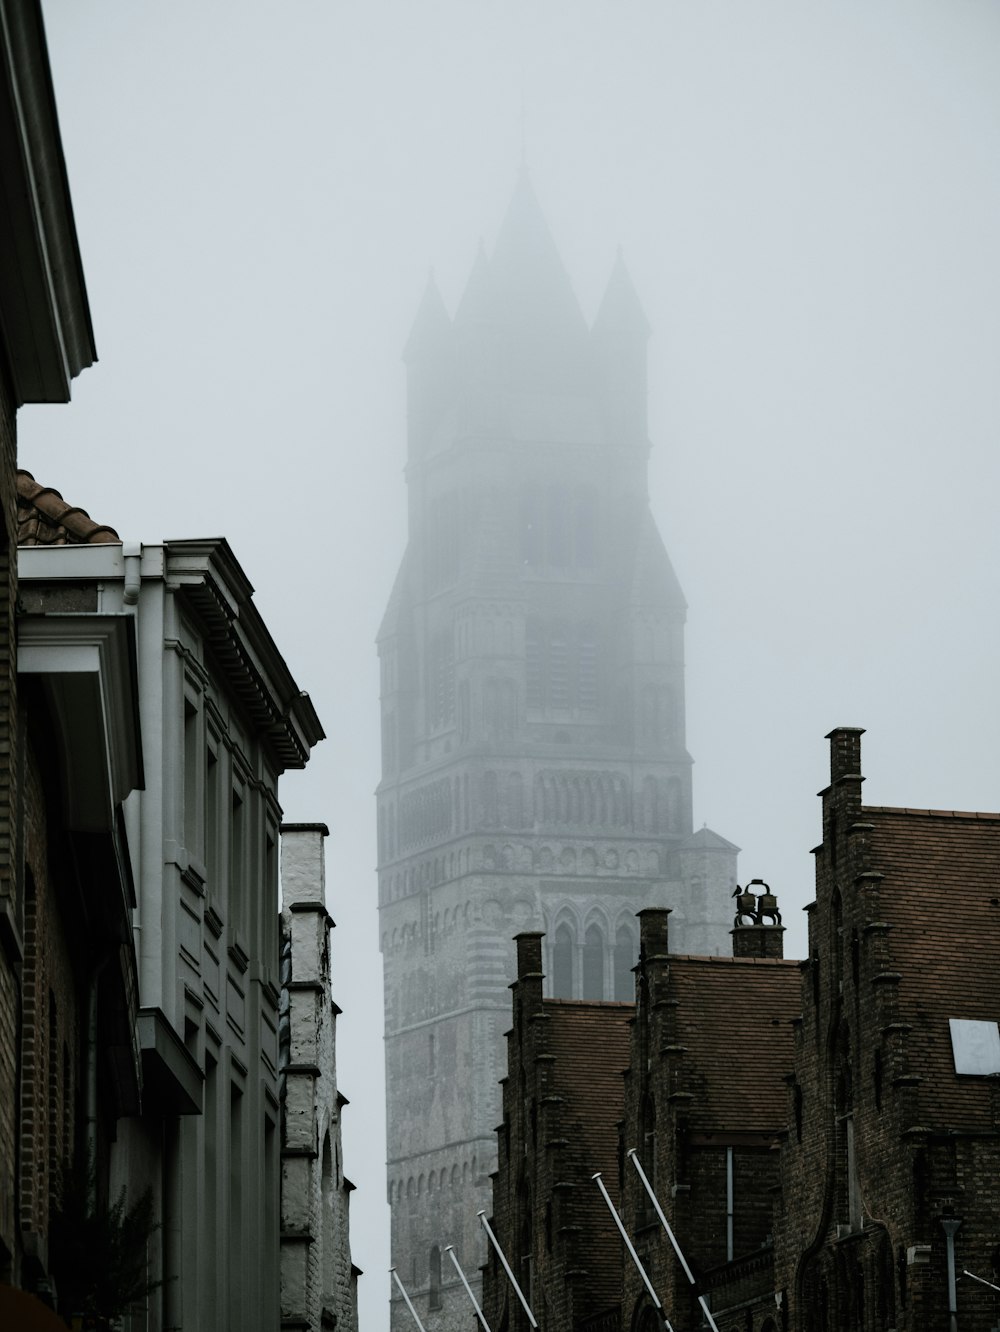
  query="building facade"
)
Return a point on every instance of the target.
[
  {"x": 318, "y": 1280},
  {"x": 45, "y": 341},
  {"x": 535, "y": 773},
  {"x": 889, "y": 1175},
  {"x": 823, "y": 1136},
  {"x": 220, "y": 718}
]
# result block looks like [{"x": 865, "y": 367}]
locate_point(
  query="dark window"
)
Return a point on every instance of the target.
[{"x": 435, "y": 1281}]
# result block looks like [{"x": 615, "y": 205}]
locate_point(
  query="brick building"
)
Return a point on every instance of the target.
[
  {"x": 318, "y": 1279},
  {"x": 561, "y": 1110},
  {"x": 893, "y": 1153},
  {"x": 45, "y": 341},
  {"x": 824, "y": 1136},
  {"x": 706, "y": 1109}
]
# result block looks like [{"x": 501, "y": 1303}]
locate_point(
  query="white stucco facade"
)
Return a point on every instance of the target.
[{"x": 220, "y": 718}]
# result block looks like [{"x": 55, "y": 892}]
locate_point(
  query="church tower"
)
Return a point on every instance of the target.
[{"x": 534, "y": 768}]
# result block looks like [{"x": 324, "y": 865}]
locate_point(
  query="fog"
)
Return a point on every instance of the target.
[{"x": 808, "y": 201}]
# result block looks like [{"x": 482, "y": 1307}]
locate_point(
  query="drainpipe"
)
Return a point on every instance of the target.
[
  {"x": 132, "y": 555},
  {"x": 729, "y": 1204},
  {"x": 93, "y": 988},
  {"x": 950, "y": 1225}
]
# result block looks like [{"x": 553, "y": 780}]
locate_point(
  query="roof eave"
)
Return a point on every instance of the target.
[
  {"x": 210, "y": 580},
  {"x": 45, "y": 327}
]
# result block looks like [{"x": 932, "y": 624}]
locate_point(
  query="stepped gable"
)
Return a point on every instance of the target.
[
  {"x": 594, "y": 1102},
  {"x": 734, "y": 1018},
  {"x": 941, "y": 869},
  {"x": 45, "y": 519}
]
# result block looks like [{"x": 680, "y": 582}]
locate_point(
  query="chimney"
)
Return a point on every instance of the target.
[
  {"x": 845, "y": 767},
  {"x": 757, "y": 928},
  {"x": 528, "y": 986}
]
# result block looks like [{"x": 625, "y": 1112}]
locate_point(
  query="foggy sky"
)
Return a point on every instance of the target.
[{"x": 808, "y": 199}]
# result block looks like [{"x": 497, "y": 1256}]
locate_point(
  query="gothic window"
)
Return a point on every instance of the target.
[
  {"x": 491, "y": 799},
  {"x": 674, "y": 804},
  {"x": 587, "y": 684},
  {"x": 650, "y": 812},
  {"x": 586, "y": 528},
  {"x": 464, "y": 717},
  {"x": 443, "y": 545},
  {"x": 514, "y": 811},
  {"x": 508, "y": 709},
  {"x": 562, "y": 963},
  {"x": 558, "y": 549},
  {"x": 491, "y": 709},
  {"x": 593, "y": 963},
  {"x": 441, "y": 681},
  {"x": 558, "y": 527},
  {"x": 624, "y": 962},
  {"x": 559, "y": 692},
  {"x": 532, "y": 538}
]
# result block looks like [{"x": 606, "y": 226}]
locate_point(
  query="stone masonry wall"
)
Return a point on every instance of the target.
[{"x": 318, "y": 1281}]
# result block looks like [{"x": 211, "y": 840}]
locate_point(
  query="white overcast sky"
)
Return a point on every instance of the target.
[{"x": 808, "y": 197}]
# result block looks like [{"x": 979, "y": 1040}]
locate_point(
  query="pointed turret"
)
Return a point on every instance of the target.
[
  {"x": 619, "y": 338},
  {"x": 429, "y": 363},
  {"x": 477, "y": 305},
  {"x": 531, "y": 283},
  {"x": 431, "y": 325},
  {"x": 621, "y": 312}
]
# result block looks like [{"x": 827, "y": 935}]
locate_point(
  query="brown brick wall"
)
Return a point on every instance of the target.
[
  {"x": 9, "y": 1000},
  {"x": 52, "y": 1015}
]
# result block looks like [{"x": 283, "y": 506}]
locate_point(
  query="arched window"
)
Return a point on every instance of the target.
[
  {"x": 624, "y": 962},
  {"x": 593, "y": 963},
  {"x": 586, "y": 528},
  {"x": 562, "y": 964},
  {"x": 435, "y": 1279},
  {"x": 491, "y": 800}
]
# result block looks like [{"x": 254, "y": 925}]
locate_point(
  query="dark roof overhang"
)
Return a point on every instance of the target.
[{"x": 44, "y": 315}]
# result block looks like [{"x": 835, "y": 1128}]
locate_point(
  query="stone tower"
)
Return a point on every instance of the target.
[{"x": 534, "y": 768}]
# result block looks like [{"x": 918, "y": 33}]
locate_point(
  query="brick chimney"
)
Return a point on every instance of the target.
[
  {"x": 528, "y": 986},
  {"x": 757, "y": 930},
  {"x": 845, "y": 769}
]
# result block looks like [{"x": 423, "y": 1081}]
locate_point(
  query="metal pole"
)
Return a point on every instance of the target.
[
  {"x": 402, "y": 1291},
  {"x": 982, "y": 1280},
  {"x": 670, "y": 1235},
  {"x": 450, "y": 1250},
  {"x": 628, "y": 1243},
  {"x": 506, "y": 1268},
  {"x": 950, "y": 1225}
]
